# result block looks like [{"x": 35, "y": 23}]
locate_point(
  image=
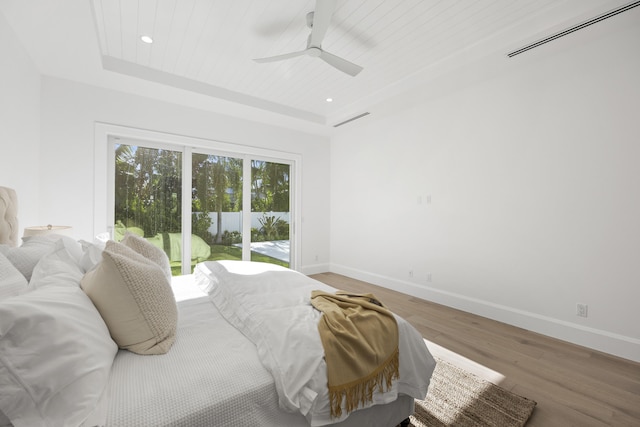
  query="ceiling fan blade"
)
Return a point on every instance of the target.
[
  {"x": 321, "y": 19},
  {"x": 341, "y": 64},
  {"x": 281, "y": 57}
]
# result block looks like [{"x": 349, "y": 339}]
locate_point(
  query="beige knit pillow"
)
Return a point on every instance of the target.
[
  {"x": 135, "y": 300},
  {"x": 149, "y": 251}
]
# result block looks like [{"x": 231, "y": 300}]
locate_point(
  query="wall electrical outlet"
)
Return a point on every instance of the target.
[{"x": 582, "y": 310}]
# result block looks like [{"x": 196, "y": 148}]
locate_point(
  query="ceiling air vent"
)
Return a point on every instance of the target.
[
  {"x": 359, "y": 116},
  {"x": 575, "y": 28}
]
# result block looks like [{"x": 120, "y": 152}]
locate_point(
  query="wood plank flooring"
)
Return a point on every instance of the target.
[{"x": 573, "y": 385}]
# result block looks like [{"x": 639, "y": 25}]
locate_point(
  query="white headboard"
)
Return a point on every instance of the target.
[{"x": 8, "y": 216}]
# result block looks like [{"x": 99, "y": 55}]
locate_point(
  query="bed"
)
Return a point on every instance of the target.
[{"x": 72, "y": 353}]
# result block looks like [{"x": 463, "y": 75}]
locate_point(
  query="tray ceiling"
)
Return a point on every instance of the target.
[{"x": 207, "y": 47}]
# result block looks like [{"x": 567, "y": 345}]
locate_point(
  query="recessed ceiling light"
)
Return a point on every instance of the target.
[
  {"x": 146, "y": 39},
  {"x": 329, "y": 99}
]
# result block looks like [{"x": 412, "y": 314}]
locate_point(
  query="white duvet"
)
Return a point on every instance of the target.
[{"x": 271, "y": 306}]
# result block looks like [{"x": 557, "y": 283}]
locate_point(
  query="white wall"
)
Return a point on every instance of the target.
[
  {"x": 534, "y": 182},
  {"x": 70, "y": 111},
  {"x": 533, "y": 178},
  {"x": 19, "y": 124}
]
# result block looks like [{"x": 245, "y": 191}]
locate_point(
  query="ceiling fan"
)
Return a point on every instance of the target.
[{"x": 319, "y": 21}]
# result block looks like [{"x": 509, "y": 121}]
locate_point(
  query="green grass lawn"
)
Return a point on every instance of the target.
[{"x": 222, "y": 252}]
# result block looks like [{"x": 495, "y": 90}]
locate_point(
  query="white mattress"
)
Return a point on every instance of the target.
[{"x": 210, "y": 377}]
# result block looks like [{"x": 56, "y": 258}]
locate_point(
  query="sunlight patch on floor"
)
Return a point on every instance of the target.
[
  {"x": 465, "y": 363},
  {"x": 278, "y": 249}
]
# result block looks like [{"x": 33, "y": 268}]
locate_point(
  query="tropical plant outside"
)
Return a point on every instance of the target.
[
  {"x": 148, "y": 189},
  {"x": 148, "y": 201}
]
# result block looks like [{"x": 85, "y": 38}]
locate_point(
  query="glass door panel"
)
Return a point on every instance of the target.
[
  {"x": 148, "y": 198},
  {"x": 270, "y": 212},
  {"x": 216, "y": 219}
]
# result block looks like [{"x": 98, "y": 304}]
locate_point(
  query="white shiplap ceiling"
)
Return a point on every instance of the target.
[{"x": 206, "y": 47}]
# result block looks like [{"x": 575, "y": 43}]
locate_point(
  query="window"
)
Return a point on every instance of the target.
[{"x": 154, "y": 187}]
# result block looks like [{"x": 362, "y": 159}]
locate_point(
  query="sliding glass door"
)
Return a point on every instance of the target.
[
  {"x": 216, "y": 212},
  {"x": 148, "y": 197},
  {"x": 270, "y": 212},
  {"x": 239, "y": 204}
]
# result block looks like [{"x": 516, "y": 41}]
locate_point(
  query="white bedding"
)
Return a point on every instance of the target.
[
  {"x": 212, "y": 376},
  {"x": 271, "y": 306},
  {"x": 209, "y": 378}
]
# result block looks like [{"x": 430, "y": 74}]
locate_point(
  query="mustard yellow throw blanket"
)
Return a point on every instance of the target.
[{"x": 360, "y": 340}]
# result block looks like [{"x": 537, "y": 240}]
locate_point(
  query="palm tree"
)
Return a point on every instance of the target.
[
  {"x": 124, "y": 181},
  {"x": 219, "y": 181}
]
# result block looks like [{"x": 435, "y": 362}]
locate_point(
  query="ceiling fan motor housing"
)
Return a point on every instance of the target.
[{"x": 314, "y": 51}]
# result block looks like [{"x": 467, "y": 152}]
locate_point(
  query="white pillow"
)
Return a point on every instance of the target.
[
  {"x": 4, "y": 421},
  {"x": 33, "y": 248},
  {"x": 56, "y": 358},
  {"x": 92, "y": 254},
  {"x": 60, "y": 267},
  {"x": 12, "y": 282},
  {"x": 135, "y": 300},
  {"x": 25, "y": 257},
  {"x": 149, "y": 251}
]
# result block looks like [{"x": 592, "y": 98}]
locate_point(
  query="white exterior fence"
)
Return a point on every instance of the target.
[{"x": 232, "y": 221}]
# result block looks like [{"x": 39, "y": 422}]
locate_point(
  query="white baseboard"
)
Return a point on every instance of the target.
[
  {"x": 597, "y": 339},
  {"x": 314, "y": 269}
]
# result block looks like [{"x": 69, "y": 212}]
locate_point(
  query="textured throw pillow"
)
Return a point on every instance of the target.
[
  {"x": 12, "y": 282},
  {"x": 56, "y": 356},
  {"x": 135, "y": 300},
  {"x": 149, "y": 251}
]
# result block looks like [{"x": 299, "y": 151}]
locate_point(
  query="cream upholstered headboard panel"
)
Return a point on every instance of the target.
[{"x": 8, "y": 216}]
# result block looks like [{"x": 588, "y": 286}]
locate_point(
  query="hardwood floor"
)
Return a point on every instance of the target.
[{"x": 573, "y": 385}]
